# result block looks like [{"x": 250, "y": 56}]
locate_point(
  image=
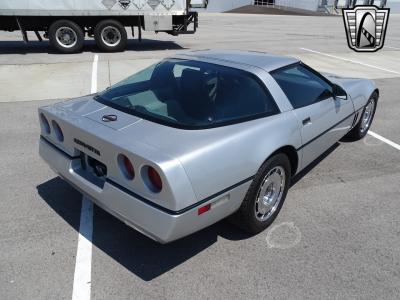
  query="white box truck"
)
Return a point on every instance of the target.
[{"x": 66, "y": 22}]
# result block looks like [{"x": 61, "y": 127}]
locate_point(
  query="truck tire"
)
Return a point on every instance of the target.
[
  {"x": 66, "y": 36},
  {"x": 265, "y": 196},
  {"x": 110, "y": 36}
]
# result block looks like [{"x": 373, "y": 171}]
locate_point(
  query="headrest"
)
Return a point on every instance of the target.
[
  {"x": 195, "y": 100},
  {"x": 163, "y": 82}
]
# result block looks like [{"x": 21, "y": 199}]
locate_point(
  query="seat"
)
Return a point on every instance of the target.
[
  {"x": 163, "y": 82},
  {"x": 240, "y": 98},
  {"x": 194, "y": 99}
]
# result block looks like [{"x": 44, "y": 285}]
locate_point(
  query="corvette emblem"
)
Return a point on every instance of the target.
[
  {"x": 366, "y": 27},
  {"x": 87, "y": 146},
  {"x": 109, "y": 118},
  {"x": 125, "y": 3}
]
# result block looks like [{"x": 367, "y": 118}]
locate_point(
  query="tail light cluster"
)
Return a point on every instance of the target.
[
  {"x": 126, "y": 167},
  {"x": 57, "y": 130},
  {"x": 45, "y": 124},
  {"x": 150, "y": 176},
  {"x": 154, "y": 179},
  {"x": 54, "y": 128}
]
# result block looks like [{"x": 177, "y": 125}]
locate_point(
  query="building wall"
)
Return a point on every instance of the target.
[
  {"x": 394, "y": 6},
  {"x": 302, "y": 4},
  {"x": 224, "y": 5}
]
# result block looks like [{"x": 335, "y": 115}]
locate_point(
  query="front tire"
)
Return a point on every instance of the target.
[
  {"x": 66, "y": 36},
  {"x": 110, "y": 36},
  {"x": 367, "y": 116},
  {"x": 265, "y": 196}
]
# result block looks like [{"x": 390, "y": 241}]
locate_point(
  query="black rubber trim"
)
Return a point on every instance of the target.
[
  {"x": 329, "y": 129},
  {"x": 57, "y": 149},
  {"x": 179, "y": 212}
]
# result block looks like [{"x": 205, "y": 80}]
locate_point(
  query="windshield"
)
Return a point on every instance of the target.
[{"x": 192, "y": 94}]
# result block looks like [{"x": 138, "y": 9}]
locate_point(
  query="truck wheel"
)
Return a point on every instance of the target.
[
  {"x": 265, "y": 196},
  {"x": 367, "y": 116},
  {"x": 110, "y": 36},
  {"x": 66, "y": 36}
]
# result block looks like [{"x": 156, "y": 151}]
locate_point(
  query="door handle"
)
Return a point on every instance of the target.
[{"x": 306, "y": 121}]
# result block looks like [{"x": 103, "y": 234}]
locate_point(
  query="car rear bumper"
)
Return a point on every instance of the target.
[{"x": 151, "y": 221}]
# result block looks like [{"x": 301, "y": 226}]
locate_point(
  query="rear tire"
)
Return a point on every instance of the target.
[
  {"x": 110, "y": 36},
  {"x": 367, "y": 116},
  {"x": 66, "y": 36},
  {"x": 265, "y": 196}
]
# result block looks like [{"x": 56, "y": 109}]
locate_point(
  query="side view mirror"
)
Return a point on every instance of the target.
[{"x": 339, "y": 92}]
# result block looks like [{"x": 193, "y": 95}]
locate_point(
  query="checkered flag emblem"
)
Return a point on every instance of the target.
[
  {"x": 370, "y": 38},
  {"x": 366, "y": 27}
]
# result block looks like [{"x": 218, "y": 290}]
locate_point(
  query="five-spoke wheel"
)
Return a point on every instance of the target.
[
  {"x": 266, "y": 195},
  {"x": 367, "y": 116}
]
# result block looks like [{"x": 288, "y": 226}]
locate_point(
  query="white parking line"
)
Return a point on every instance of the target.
[
  {"x": 83, "y": 265},
  {"x": 389, "y": 47},
  {"x": 385, "y": 140},
  {"x": 352, "y": 61},
  {"x": 94, "y": 74}
]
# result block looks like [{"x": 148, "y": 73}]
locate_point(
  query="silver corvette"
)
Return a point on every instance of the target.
[{"x": 202, "y": 136}]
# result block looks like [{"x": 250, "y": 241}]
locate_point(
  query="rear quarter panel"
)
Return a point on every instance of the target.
[{"x": 215, "y": 159}]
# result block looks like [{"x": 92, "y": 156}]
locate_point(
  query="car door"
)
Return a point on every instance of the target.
[{"x": 323, "y": 118}]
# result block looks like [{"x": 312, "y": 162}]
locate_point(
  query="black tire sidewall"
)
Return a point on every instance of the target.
[
  {"x": 355, "y": 134},
  {"x": 117, "y": 25},
  {"x": 254, "y": 225},
  {"x": 75, "y": 27},
  {"x": 363, "y": 134}
]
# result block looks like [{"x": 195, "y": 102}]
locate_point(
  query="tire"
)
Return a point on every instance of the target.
[
  {"x": 66, "y": 36},
  {"x": 110, "y": 36},
  {"x": 367, "y": 116},
  {"x": 248, "y": 216}
]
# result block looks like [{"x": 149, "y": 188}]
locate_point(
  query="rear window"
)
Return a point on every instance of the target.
[{"x": 191, "y": 94}]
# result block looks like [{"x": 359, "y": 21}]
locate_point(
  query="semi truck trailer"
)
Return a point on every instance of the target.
[{"x": 66, "y": 23}]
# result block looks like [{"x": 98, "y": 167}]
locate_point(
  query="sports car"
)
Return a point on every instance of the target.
[{"x": 201, "y": 136}]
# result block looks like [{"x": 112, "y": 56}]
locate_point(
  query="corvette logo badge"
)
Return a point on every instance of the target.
[
  {"x": 87, "y": 147},
  {"x": 109, "y": 118},
  {"x": 366, "y": 27},
  {"x": 124, "y": 3}
]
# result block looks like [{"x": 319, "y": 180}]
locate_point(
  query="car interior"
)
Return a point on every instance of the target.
[
  {"x": 301, "y": 86},
  {"x": 197, "y": 94}
]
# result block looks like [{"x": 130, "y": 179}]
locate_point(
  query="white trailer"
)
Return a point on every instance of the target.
[{"x": 66, "y": 22}]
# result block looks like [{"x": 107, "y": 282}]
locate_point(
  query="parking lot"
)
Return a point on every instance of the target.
[{"x": 337, "y": 236}]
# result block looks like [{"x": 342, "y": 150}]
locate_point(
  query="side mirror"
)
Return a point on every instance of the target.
[{"x": 339, "y": 93}]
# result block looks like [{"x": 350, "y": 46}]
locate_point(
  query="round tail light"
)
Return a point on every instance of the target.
[
  {"x": 154, "y": 179},
  {"x": 58, "y": 131},
  {"x": 126, "y": 167},
  {"x": 45, "y": 124}
]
